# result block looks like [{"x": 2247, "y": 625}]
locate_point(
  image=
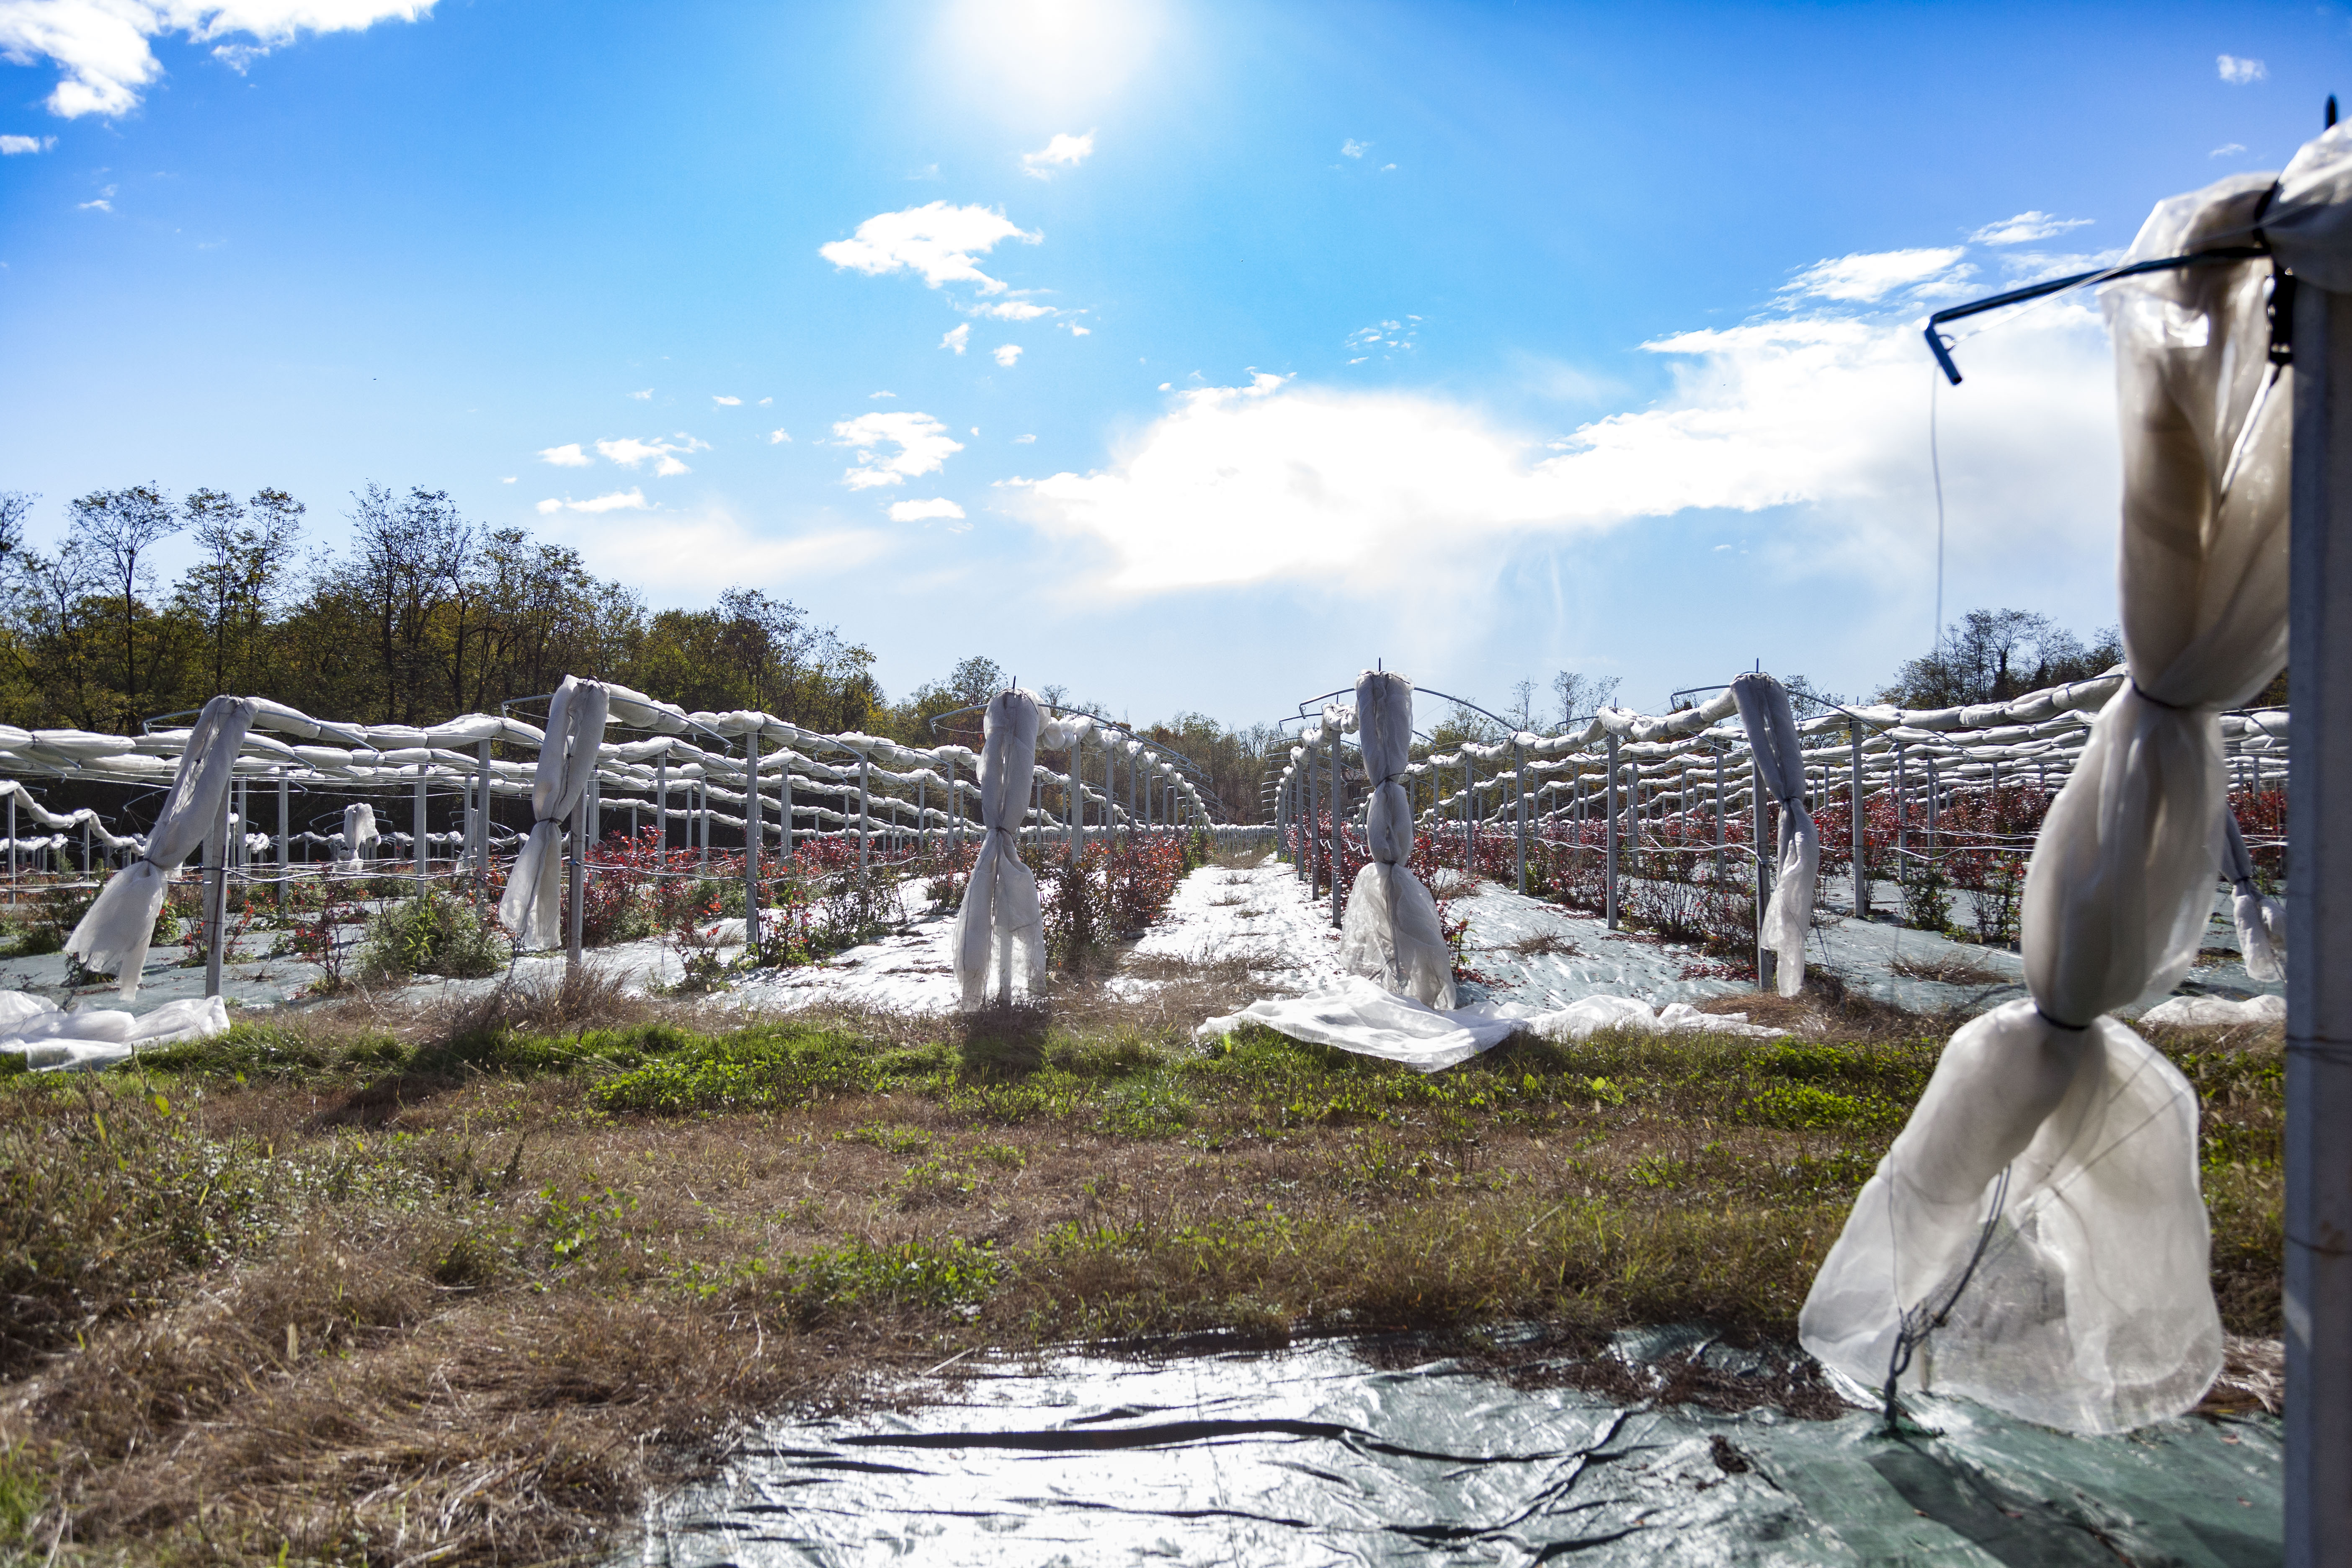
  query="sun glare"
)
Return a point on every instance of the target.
[{"x": 1048, "y": 53}]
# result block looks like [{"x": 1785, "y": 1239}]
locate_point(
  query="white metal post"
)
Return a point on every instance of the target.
[
  {"x": 1520, "y": 790},
  {"x": 1338, "y": 793},
  {"x": 577, "y": 880},
  {"x": 865, "y": 813},
  {"x": 215, "y": 894},
  {"x": 2318, "y": 1296},
  {"x": 418, "y": 821},
  {"x": 1861, "y": 873},
  {"x": 752, "y": 837},
  {"x": 1609, "y": 897},
  {"x": 283, "y": 833}
]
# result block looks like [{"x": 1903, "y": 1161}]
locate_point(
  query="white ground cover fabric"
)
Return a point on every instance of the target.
[
  {"x": 1780, "y": 760},
  {"x": 532, "y": 904},
  {"x": 112, "y": 936},
  {"x": 2195, "y": 1011},
  {"x": 1391, "y": 932},
  {"x": 1355, "y": 1013},
  {"x": 51, "y": 1039},
  {"x": 999, "y": 934},
  {"x": 2051, "y": 1135}
]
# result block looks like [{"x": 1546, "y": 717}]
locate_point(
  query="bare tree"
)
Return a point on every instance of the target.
[
  {"x": 15, "y": 505},
  {"x": 116, "y": 528},
  {"x": 1582, "y": 696}
]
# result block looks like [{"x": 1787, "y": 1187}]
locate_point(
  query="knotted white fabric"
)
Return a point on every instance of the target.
[
  {"x": 1391, "y": 933},
  {"x": 2052, "y": 1137},
  {"x": 532, "y": 905},
  {"x": 112, "y": 937},
  {"x": 360, "y": 836},
  {"x": 2260, "y": 922},
  {"x": 999, "y": 934},
  {"x": 1779, "y": 762}
]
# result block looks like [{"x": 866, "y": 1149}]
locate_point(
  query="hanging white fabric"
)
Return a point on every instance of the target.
[
  {"x": 2260, "y": 922},
  {"x": 112, "y": 937},
  {"x": 360, "y": 836},
  {"x": 2051, "y": 1137},
  {"x": 1391, "y": 933},
  {"x": 532, "y": 905},
  {"x": 999, "y": 933},
  {"x": 1779, "y": 756}
]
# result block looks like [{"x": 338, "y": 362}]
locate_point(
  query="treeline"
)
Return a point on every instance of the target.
[{"x": 423, "y": 615}]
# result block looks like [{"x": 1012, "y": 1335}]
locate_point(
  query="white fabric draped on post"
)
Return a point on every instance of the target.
[
  {"x": 1392, "y": 933},
  {"x": 360, "y": 835},
  {"x": 1779, "y": 762},
  {"x": 2052, "y": 1144},
  {"x": 2260, "y": 922},
  {"x": 112, "y": 937},
  {"x": 999, "y": 934},
  {"x": 532, "y": 906}
]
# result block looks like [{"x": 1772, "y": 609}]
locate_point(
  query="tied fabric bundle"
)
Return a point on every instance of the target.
[
  {"x": 1000, "y": 932},
  {"x": 532, "y": 906},
  {"x": 2260, "y": 922},
  {"x": 360, "y": 835},
  {"x": 1391, "y": 933},
  {"x": 2036, "y": 1237},
  {"x": 112, "y": 937},
  {"x": 1781, "y": 764}
]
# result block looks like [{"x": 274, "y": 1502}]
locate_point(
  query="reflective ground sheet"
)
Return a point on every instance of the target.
[{"x": 1314, "y": 1457}]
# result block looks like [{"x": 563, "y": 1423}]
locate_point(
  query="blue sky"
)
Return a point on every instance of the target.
[{"x": 1486, "y": 340}]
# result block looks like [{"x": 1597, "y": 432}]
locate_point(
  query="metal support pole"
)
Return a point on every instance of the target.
[
  {"x": 2318, "y": 1305},
  {"x": 1609, "y": 898},
  {"x": 215, "y": 895},
  {"x": 865, "y": 813},
  {"x": 784, "y": 807},
  {"x": 576, "y": 879},
  {"x": 661, "y": 801},
  {"x": 1519, "y": 789},
  {"x": 1719, "y": 836},
  {"x": 417, "y": 822},
  {"x": 1861, "y": 870},
  {"x": 1902, "y": 819},
  {"x": 1766, "y": 863},
  {"x": 1074, "y": 799},
  {"x": 1308, "y": 830},
  {"x": 12, "y": 845},
  {"x": 482, "y": 825},
  {"x": 702, "y": 788},
  {"x": 752, "y": 837},
  {"x": 283, "y": 873},
  {"x": 1338, "y": 796}
]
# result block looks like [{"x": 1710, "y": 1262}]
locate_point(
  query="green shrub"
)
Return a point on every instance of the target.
[{"x": 436, "y": 934}]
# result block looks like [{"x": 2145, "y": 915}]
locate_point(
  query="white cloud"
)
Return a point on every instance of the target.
[
  {"x": 1824, "y": 417},
  {"x": 2238, "y": 72},
  {"x": 917, "y": 510},
  {"x": 2226, "y": 150},
  {"x": 1352, "y": 148},
  {"x": 923, "y": 445},
  {"x": 872, "y": 395},
  {"x": 97, "y": 204},
  {"x": 1388, "y": 168},
  {"x": 1011, "y": 311},
  {"x": 568, "y": 456},
  {"x": 508, "y": 480},
  {"x": 99, "y": 46},
  {"x": 1008, "y": 354},
  {"x": 15, "y": 146},
  {"x": 777, "y": 437},
  {"x": 1023, "y": 440},
  {"x": 725, "y": 402},
  {"x": 692, "y": 556},
  {"x": 936, "y": 241},
  {"x": 644, "y": 396},
  {"x": 1872, "y": 275},
  {"x": 765, "y": 401},
  {"x": 628, "y": 451},
  {"x": 1063, "y": 152},
  {"x": 957, "y": 338},
  {"x": 2026, "y": 226},
  {"x": 631, "y": 500},
  {"x": 1076, "y": 330}
]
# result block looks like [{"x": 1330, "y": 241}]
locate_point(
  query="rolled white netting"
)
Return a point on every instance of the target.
[
  {"x": 1781, "y": 764},
  {"x": 112, "y": 937},
  {"x": 999, "y": 933},
  {"x": 1392, "y": 933},
  {"x": 2260, "y": 922},
  {"x": 2035, "y": 1239},
  {"x": 532, "y": 905}
]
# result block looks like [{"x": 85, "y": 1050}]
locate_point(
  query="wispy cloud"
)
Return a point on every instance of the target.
[
  {"x": 644, "y": 396},
  {"x": 2227, "y": 150},
  {"x": 936, "y": 241},
  {"x": 694, "y": 554},
  {"x": 1063, "y": 152},
  {"x": 1009, "y": 310},
  {"x": 628, "y": 451},
  {"x": 100, "y": 46},
  {"x": 1870, "y": 276},
  {"x": 632, "y": 500},
  {"x": 568, "y": 456},
  {"x": 1023, "y": 440},
  {"x": 1352, "y": 148},
  {"x": 922, "y": 444},
  {"x": 957, "y": 338},
  {"x": 1008, "y": 354},
  {"x": 871, "y": 396},
  {"x": 2025, "y": 227},
  {"x": 724, "y": 401},
  {"x": 777, "y": 437},
  {"x": 103, "y": 202},
  {"x": 917, "y": 510},
  {"x": 16, "y": 146},
  {"x": 2239, "y": 71}
]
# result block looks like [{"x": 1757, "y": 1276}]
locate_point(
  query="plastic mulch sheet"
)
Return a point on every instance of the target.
[{"x": 1314, "y": 1456}]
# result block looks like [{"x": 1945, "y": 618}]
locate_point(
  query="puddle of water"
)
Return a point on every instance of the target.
[{"x": 1314, "y": 1456}]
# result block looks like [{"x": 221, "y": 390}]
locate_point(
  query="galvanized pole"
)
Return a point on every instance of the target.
[
  {"x": 215, "y": 894},
  {"x": 482, "y": 827},
  {"x": 1609, "y": 897},
  {"x": 865, "y": 813},
  {"x": 1338, "y": 794},
  {"x": 1861, "y": 870},
  {"x": 1519, "y": 789},
  {"x": 752, "y": 837},
  {"x": 282, "y": 835},
  {"x": 2318, "y": 1305},
  {"x": 577, "y": 880},
  {"x": 416, "y": 822},
  {"x": 1719, "y": 838},
  {"x": 661, "y": 802}
]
